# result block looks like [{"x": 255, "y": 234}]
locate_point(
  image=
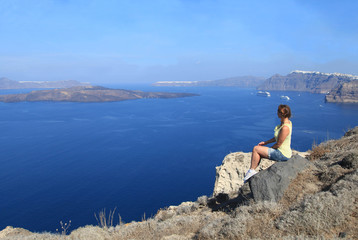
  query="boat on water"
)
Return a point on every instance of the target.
[
  {"x": 285, "y": 98},
  {"x": 263, "y": 93}
]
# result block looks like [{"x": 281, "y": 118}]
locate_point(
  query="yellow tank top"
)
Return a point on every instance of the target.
[{"x": 285, "y": 147}]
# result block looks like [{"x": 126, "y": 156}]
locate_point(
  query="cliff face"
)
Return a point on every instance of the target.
[
  {"x": 314, "y": 82},
  {"x": 230, "y": 174},
  {"x": 344, "y": 93}
]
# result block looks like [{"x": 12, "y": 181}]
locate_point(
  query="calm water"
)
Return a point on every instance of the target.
[{"x": 67, "y": 161}]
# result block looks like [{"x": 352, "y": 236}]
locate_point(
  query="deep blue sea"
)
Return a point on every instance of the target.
[{"x": 67, "y": 161}]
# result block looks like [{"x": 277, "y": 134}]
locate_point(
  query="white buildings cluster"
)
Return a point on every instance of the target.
[{"x": 327, "y": 74}]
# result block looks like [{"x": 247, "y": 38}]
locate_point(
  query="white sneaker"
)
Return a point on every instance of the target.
[{"x": 249, "y": 174}]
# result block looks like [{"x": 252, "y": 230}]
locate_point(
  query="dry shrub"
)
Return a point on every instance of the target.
[
  {"x": 211, "y": 229},
  {"x": 233, "y": 228},
  {"x": 226, "y": 226},
  {"x": 325, "y": 213},
  {"x": 184, "y": 208},
  {"x": 348, "y": 142},
  {"x": 103, "y": 220},
  {"x": 203, "y": 200},
  {"x": 177, "y": 237},
  {"x": 246, "y": 222},
  {"x": 313, "y": 217},
  {"x": 262, "y": 226},
  {"x": 10, "y": 233},
  {"x": 332, "y": 175},
  {"x": 164, "y": 214},
  {"x": 184, "y": 226},
  {"x": 306, "y": 183},
  {"x": 348, "y": 188},
  {"x": 187, "y": 208},
  {"x": 318, "y": 152},
  {"x": 351, "y": 132},
  {"x": 90, "y": 233}
]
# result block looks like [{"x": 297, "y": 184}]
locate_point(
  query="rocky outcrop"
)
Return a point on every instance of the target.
[
  {"x": 243, "y": 82},
  {"x": 12, "y": 232},
  {"x": 271, "y": 184},
  {"x": 6, "y": 83},
  {"x": 307, "y": 81},
  {"x": 344, "y": 93},
  {"x": 87, "y": 94},
  {"x": 230, "y": 174}
]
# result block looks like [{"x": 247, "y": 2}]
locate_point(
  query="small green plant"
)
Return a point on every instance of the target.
[
  {"x": 64, "y": 227},
  {"x": 105, "y": 221}
]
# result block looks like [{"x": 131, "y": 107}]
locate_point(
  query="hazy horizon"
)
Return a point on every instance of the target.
[{"x": 115, "y": 42}]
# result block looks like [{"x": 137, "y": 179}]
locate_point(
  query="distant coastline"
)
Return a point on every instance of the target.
[
  {"x": 243, "y": 82},
  {"x": 6, "y": 83},
  {"x": 338, "y": 87}
]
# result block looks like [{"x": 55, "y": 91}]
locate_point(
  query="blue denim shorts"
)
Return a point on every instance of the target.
[{"x": 276, "y": 155}]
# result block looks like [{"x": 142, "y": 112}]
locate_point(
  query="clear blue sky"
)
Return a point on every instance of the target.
[{"x": 119, "y": 41}]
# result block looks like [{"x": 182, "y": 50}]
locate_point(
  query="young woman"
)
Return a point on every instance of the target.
[{"x": 281, "y": 150}]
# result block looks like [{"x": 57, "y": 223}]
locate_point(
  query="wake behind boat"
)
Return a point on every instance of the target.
[
  {"x": 285, "y": 98},
  {"x": 263, "y": 94}
]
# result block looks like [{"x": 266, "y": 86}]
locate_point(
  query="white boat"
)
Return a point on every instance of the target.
[
  {"x": 285, "y": 98},
  {"x": 263, "y": 93}
]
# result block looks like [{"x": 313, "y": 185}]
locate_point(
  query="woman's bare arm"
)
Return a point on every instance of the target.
[{"x": 267, "y": 142}]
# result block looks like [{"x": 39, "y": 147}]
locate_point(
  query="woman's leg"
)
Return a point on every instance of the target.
[{"x": 258, "y": 152}]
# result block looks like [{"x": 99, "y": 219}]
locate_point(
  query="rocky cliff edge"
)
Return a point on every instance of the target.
[{"x": 344, "y": 93}]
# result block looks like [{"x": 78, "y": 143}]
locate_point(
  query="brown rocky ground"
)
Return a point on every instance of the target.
[{"x": 320, "y": 203}]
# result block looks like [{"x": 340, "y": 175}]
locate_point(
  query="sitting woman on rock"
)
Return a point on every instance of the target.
[{"x": 281, "y": 150}]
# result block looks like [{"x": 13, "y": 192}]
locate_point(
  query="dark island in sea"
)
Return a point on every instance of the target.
[
  {"x": 6, "y": 83},
  {"x": 87, "y": 94}
]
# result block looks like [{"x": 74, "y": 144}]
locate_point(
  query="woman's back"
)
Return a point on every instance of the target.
[{"x": 285, "y": 147}]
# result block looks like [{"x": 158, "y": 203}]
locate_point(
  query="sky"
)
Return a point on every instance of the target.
[{"x": 142, "y": 41}]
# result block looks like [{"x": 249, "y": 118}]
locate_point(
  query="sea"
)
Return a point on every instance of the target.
[{"x": 62, "y": 161}]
